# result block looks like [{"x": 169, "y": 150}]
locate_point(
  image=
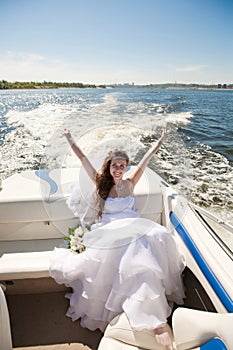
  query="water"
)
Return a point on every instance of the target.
[{"x": 196, "y": 159}]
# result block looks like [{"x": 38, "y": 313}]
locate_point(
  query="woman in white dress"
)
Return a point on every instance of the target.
[{"x": 130, "y": 264}]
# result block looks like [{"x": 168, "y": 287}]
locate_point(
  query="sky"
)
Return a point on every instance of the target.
[{"x": 117, "y": 41}]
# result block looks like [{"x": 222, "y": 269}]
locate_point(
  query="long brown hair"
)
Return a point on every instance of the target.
[{"x": 104, "y": 179}]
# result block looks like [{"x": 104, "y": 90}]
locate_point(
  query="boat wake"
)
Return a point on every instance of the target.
[{"x": 101, "y": 124}]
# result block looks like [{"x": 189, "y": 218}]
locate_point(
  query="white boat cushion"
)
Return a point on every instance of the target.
[
  {"x": 29, "y": 210},
  {"x": 193, "y": 328},
  {"x": 28, "y": 198},
  {"x": 5, "y": 331},
  {"x": 119, "y": 335},
  {"x": 25, "y": 265}
]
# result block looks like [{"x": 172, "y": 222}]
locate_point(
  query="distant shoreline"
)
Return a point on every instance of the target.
[{"x": 5, "y": 85}]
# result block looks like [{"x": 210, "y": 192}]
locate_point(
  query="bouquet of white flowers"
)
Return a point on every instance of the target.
[{"x": 74, "y": 240}]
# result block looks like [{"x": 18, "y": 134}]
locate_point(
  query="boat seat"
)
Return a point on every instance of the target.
[
  {"x": 33, "y": 203},
  {"x": 25, "y": 265},
  {"x": 195, "y": 328},
  {"x": 5, "y": 330},
  {"x": 192, "y": 329},
  {"x": 119, "y": 336}
]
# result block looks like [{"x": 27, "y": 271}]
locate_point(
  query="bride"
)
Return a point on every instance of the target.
[{"x": 130, "y": 264}]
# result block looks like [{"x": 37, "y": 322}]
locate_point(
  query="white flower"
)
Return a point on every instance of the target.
[{"x": 75, "y": 239}]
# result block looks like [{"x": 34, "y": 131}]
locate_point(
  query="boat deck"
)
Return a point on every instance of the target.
[
  {"x": 38, "y": 318},
  {"x": 54, "y": 328}
]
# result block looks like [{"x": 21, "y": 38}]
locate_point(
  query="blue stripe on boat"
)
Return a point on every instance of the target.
[
  {"x": 214, "y": 344},
  {"x": 44, "y": 175},
  {"x": 214, "y": 282}
]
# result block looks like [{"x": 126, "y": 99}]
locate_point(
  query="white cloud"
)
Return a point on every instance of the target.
[
  {"x": 191, "y": 68},
  {"x": 23, "y": 66}
]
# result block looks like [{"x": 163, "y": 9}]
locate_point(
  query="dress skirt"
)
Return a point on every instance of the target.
[{"x": 130, "y": 265}]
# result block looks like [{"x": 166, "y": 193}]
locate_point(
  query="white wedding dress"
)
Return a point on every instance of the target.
[{"x": 130, "y": 265}]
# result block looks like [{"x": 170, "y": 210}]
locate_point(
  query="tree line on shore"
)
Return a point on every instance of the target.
[{"x": 5, "y": 85}]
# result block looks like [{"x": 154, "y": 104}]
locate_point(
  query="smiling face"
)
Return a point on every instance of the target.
[{"x": 118, "y": 168}]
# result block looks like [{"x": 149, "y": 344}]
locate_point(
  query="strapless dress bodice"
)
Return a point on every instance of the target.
[{"x": 119, "y": 208}]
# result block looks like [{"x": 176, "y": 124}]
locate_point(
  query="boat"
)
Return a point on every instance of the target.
[{"x": 34, "y": 218}]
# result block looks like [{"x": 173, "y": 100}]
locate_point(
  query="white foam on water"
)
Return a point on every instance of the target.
[
  {"x": 98, "y": 141},
  {"x": 181, "y": 118},
  {"x": 42, "y": 121}
]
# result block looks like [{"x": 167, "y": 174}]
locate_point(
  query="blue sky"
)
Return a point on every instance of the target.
[{"x": 117, "y": 41}]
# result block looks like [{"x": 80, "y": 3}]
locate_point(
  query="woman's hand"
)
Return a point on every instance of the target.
[
  {"x": 164, "y": 133},
  {"x": 66, "y": 133},
  {"x": 147, "y": 157}
]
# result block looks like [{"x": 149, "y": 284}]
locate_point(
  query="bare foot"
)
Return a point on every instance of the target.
[{"x": 162, "y": 336}]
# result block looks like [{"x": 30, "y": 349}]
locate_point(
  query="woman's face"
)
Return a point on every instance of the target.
[{"x": 118, "y": 168}]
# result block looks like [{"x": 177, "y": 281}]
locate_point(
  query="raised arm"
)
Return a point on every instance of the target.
[
  {"x": 135, "y": 176},
  {"x": 91, "y": 171}
]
